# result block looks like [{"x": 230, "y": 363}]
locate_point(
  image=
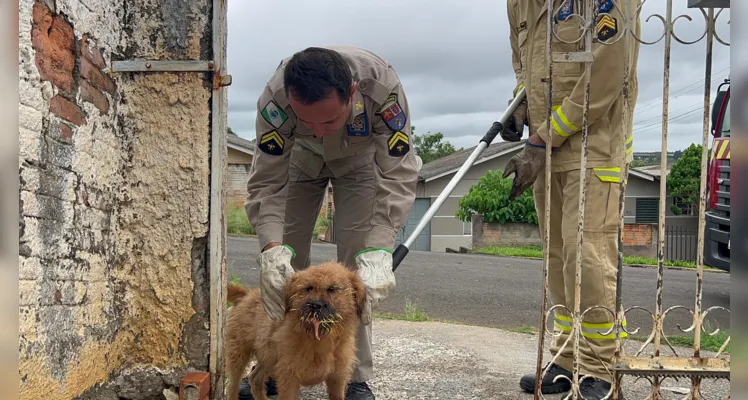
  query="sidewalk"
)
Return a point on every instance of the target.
[{"x": 432, "y": 360}]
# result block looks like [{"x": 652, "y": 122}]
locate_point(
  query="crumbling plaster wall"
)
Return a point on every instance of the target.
[{"x": 114, "y": 174}]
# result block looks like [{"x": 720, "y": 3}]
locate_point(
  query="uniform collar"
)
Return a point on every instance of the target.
[{"x": 357, "y": 108}]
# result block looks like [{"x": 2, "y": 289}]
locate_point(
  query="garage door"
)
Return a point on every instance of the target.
[{"x": 423, "y": 242}]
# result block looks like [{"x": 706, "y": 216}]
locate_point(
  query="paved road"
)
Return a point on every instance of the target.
[{"x": 506, "y": 292}]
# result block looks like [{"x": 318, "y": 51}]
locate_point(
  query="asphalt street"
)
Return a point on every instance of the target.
[{"x": 506, "y": 293}]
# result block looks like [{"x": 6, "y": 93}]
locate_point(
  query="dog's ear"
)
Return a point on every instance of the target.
[{"x": 359, "y": 293}]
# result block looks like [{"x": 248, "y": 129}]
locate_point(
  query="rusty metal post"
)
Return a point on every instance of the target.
[{"x": 547, "y": 207}]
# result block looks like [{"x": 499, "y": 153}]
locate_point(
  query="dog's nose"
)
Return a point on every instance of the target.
[{"x": 316, "y": 305}]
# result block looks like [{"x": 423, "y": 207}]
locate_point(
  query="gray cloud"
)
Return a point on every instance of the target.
[{"x": 454, "y": 61}]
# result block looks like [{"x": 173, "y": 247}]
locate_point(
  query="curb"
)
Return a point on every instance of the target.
[{"x": 712, "y": 270}]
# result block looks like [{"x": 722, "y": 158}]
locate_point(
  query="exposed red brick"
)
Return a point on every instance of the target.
[
  {"x": 95, "y": 76},
  {"x": 66, "y": 133},
  {"x": 94, "y": 96},
  {"x": 198, "y": 382},
  {"x": 92, "y": 53},
  {"x": 66, "y": 110},
  {"x": 53, "y": 41}
]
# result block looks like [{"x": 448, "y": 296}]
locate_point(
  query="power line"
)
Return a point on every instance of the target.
[
  {"x": 676, "y": 93},
  {"x": 676, "y": 118}
]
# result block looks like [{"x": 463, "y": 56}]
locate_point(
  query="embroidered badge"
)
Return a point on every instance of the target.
[
  {"x": 359, "y": 105},
  {"x": 398, "y": 144},
  {"x": 272, "y": 143},
  {"x": 604, "y": 6},
  {"x": 607, "y": 27},
  {"x": 566, "y": 9},
  {"x": 392, "y": 113},
  {"x": 274, "y": 115},
  {"x": 359, "y": 126}
]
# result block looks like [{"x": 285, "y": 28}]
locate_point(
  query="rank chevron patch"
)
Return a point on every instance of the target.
[
  {"x": 272, "y": 143},
  {"x": 398, "y": 144},
  {"x": 607, "y": 27}
]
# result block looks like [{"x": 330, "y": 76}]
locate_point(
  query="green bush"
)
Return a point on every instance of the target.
[
  {"x": 490, "y": 199},
  {"x": 237, "y": 222}
]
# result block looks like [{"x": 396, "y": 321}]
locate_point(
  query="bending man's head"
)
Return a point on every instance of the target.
[{"x": 319, "y": 86}]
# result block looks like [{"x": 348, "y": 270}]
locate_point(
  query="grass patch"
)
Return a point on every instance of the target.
[
  {"x": 526, "y": 330},
  {"x": 536, "y": 252},
  {"x": 237, "y": 223},
  {"x": 413, "y": 313},
  {"x": 708, "y": 343}
]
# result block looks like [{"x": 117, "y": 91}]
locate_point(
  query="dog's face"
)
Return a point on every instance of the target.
[{"x": 324, "y": 297}]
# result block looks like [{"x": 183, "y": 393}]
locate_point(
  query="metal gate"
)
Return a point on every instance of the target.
[{"x": 661, "y": 362}]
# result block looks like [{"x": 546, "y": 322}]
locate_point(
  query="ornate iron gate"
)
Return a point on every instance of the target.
[{"x": 658, "y": 365}]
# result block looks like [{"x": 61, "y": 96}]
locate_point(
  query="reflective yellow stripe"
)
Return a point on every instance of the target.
[
  {"x": 629, "y": 145},
  {"x": 593, "y": 331},
  {"x": 563, "y": 328},
  {"x": 589, "y": 330},
  {"x": 561, "y": 124},
  {"x": 609, "y": 174}
]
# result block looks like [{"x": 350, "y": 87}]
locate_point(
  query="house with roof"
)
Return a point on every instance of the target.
[
  {"x": 446, "y": 231},
  {"x": 240, "y": 153}
]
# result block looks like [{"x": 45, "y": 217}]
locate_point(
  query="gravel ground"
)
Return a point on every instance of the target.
[{"x": 432, "y": 360}]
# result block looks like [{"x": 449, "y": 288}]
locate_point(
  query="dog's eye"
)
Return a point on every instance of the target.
[
  {"x": 332, "y": 289},
  {"x": 309, "y": 289}
]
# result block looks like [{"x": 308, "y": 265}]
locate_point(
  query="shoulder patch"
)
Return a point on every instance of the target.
[
  {"x": 604, "y": 6},
  {"x": 392, "y": 114},
  {"x": 272, "y": 143},
  {"x": 566, "y": 9},
  {"x": 274, "y": 115},
  {"x": 398, "y": 145},
  {"x": 607, "y": 27},
  {"x": 359, "y": 126}
]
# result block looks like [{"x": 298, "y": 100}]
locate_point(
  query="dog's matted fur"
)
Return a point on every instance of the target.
[{"x": 315, "y": 343}]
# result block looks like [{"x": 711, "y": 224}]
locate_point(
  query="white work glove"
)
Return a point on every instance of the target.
[
  {"x": 375, "y": 269},
  {"x": 275, "y": 271}
]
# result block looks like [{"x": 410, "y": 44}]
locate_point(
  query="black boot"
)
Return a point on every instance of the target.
[
  {"x": 245, "y": 391},
  {"x": 358, "y": 391},
  {"x": 594, "y": 389},
  {"x": 548, "y": 386}
]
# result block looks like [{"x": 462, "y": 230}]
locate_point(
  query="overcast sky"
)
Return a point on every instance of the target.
[{"x": 453, "y": 58}]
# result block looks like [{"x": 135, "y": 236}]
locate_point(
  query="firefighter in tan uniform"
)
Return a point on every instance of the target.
[
  {"x": 340, "y": 115},
  {"x": 609, "y": 154}
]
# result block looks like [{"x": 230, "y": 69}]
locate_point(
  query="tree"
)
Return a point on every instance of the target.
[
  {"x": 231, "y": 131},
  {"x": 430, "y": 146},
  {"x": 490, "y": 199},
  {"x": 684, "y": 179}
]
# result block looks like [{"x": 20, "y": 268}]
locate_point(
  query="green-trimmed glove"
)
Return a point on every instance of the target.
[
  {"x": 375, "y": 269},
  {"x": 275, "y": 271}
]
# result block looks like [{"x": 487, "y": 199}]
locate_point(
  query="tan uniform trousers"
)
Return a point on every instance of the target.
[
  {"x": 354, "y": 196},
  {"x": 599, "y": 267}
]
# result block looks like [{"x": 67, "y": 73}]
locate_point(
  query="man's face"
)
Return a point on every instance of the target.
[{"x": 324, "y": 117}]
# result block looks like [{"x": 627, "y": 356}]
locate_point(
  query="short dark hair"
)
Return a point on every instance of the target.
[{"x": 313, "y": 73}]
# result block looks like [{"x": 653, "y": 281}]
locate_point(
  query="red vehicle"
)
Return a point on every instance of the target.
[{"x": 717, "y": 215}]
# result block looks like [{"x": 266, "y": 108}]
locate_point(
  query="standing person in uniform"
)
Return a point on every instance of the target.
[
  {"x": 340, "y": 115},
  {"x": 607, "y": 163}
]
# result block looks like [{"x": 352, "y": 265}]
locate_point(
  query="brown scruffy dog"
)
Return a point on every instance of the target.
[{"x": 315, "y": 342}]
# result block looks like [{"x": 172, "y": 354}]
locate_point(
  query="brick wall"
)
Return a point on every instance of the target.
[
  {"x": 509, "y": 235},
  {"x": 640, "y": 240},
  {"x": 114, "y": 197},
  {"x": 237, "y": 176}
]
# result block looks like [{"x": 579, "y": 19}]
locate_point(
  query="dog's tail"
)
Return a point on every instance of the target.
[{"x": 235, "y": 292}]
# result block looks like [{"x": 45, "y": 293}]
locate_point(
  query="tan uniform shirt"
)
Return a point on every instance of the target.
[
  {"x": 378, "y": 131},
  {"x": 528, "y": 30}
]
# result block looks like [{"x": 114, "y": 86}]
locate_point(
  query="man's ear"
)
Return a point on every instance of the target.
[{"x": 359, "y": 294}]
